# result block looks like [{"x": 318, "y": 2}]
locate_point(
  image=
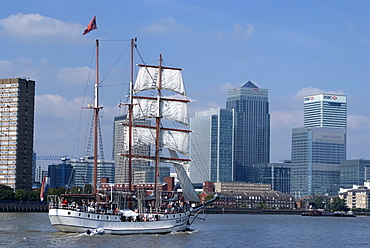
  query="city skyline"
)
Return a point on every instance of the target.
[{"x": 293, "y": 50}]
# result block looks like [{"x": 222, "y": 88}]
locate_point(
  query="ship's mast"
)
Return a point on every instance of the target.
[
  {"x": 130, "y": 108},
  {"x": 96, "y": 109},
  {"x": 158, "y": 130},
  {"x": 96, "y": 119}
]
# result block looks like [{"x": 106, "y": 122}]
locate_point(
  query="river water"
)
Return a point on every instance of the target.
[{"x": 224, "y": 230}]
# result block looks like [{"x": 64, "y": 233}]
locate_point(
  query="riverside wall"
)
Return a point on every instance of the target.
[
  {"x": 221, "y": 210},
  {"x": 23, "y": 207}
]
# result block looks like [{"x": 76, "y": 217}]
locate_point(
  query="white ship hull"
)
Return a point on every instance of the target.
[{"x": 67, "y": 220}]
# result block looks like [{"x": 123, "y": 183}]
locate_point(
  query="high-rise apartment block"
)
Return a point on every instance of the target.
[
  {"x": 17, "y": 125},
  {"x": 212, "y": 146},
  {"x": 251, "y": 129}
]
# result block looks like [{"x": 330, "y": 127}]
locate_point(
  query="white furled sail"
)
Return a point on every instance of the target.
[
  {"x": 176, "y": 140},
  {"x": 185, "y": 183},
  {"x": 171, "y": 80},
  {"x": 175, "y": 110}
]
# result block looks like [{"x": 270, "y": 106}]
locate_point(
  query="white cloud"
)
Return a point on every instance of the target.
[
  {"x": 311, "y": 91},
  {"x": 240, "y": 32},
  {"x": 221, "y": 36},
  {"x": 357, "y": 122},
  {"x": 243, "y": 31},
  {"x": 55, "y": 106},
  {"x": 74, "y": 75},
  {"x": 196, "y": 106},
  {"x": 21, "y": 67},
  {"x": 166, "y": 25},
  {"x": 38, "y": 26},
  {"x": 60, "y": 120},
  {"x": 286, "y": 119},
  {"x": 48, "y": 78},
  {"x": 56, "y": 121},
  {"x": 227, "y": 86}
]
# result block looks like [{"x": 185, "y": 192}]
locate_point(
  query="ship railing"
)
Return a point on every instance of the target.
[
  {"x": 172, "y": 210},
  {"x": 57, "y": 204}
]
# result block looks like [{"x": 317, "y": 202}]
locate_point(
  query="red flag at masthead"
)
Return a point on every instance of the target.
[{"x": 91, "y": 26}]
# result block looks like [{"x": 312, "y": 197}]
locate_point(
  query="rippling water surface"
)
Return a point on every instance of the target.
[{"x": 34, "y": 230}]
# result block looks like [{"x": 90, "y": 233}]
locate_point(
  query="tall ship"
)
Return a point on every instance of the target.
[{"x": 143, "y": 211}]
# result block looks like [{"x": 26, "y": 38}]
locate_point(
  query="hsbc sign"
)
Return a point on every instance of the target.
[
  {"x": 330, "y": 97},
  {"x": 322, "y": 97}
]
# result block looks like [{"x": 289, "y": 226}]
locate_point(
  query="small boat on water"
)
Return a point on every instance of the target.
[
  {"x": 314, "y": 212},
  {"x": 84, "y": 213},
  {"x": 97, "y": 231},
  {"x": 344, "y": 214}
]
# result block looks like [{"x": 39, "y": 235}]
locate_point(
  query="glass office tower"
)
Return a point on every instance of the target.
[
  {"x": 212, "y": 146},
  {"x": 316, "y": 157},
  {"x": 325, "y": 110},
  {"x": 354, "y": 172},
  {"x": 251, "y": 129},
  {"x": 319, "y": 147}
]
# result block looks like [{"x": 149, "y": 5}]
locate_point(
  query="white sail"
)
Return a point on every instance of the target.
[
  {"x": 171, "y": 139},
  {"x": 148, "y": 76},
  {"x": 176, "y": 140},
  {"x": 171, "y": 110},
  {"x": 185, "y": 183}
]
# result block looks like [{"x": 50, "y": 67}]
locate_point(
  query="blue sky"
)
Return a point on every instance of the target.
[{"x": 292, "y": 48}]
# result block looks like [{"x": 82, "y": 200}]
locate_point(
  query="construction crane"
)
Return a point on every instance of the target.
[{"x": 53, "y": 157}]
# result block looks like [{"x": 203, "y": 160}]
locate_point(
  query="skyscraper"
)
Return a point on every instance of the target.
[
  {"x": 83, "y": 171},
  {"x": 121, "y": 164},
  {"x": 325, "y": 110},
  {"x": 320, "y": 146},
  {"x": 251, "y": 129},
  {"x": 212, "y": 146},
  {"x": 118, "y": 135},
  {"x": 62, "y": 175},
  {"x": 316, "y": 156},
  {"x": 17, "y": 125}
]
